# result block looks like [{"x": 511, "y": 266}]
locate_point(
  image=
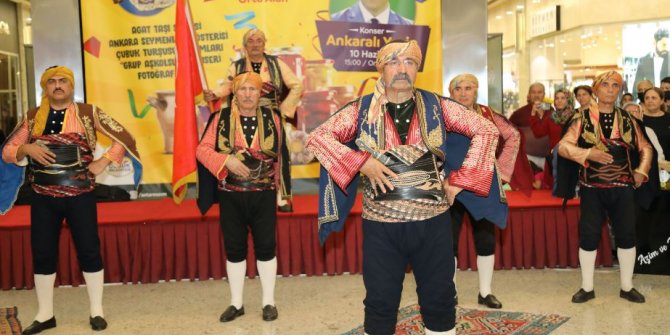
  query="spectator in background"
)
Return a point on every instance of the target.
[
  {"x": 642, "y": 86},
  {"x": 655, "y": 65},
  {"x": 550, "y": 124},
  {"x": 536, "y": 147},
  {"x": 583, "y": 95},
  {"x": 652, "y": 212},
  {"x": 665, "y": 86},
  {"x": 626, "y": 98}
]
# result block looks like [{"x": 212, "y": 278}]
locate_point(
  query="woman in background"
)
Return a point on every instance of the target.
[
  {"x": 583, "y": 95},
  {"x": 653, "y": 202},
  {"x": 552, "y": 125}
]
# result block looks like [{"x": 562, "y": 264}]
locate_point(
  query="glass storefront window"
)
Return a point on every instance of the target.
[
  {"x": 575, "y": 57},
  {"x": 9, "y": 97}
]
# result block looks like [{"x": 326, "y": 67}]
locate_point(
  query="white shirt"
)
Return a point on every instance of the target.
[{"x": 383, "y": 17}]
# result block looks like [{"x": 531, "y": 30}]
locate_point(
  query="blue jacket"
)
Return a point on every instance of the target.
[
  {"x": 354, "y": 14},
  {"x": 335, "y": 203}
]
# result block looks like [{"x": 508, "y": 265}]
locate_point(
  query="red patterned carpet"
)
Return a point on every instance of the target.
[
  {"x": 9, "y": 324},
  {"x": 479, "y": 322}
]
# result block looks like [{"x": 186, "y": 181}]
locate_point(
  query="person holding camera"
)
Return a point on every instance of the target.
[
  {"x": 535, "y": 148},
  {"x": 545, "y": 121}
]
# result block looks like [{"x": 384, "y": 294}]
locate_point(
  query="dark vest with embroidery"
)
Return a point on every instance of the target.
[
  {"x": 68, "y": 175},
  {"x": 260, "y": 162},
  {"x": 417, "y": 166},
  {"x": 335, "y": 203},
  {"x": 74, "y": 151},
  {"x": 620, "y": 171},
  {"x": 274, "y": 92}
]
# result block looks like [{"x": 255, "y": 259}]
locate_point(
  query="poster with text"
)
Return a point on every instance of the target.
[{"x": 129, "y": 59}]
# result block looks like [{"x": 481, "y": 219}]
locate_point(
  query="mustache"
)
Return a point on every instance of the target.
[
  {"x": 401, "y": 76},
  {"x": 58, "y": 89}
]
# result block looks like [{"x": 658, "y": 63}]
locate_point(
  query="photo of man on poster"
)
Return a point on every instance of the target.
[
  {"x": 370, "y": 11},
  {"x": 655, "y": 65}
]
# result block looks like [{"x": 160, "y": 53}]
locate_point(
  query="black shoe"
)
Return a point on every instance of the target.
[
  {"x": 231, "y": 313},
  {"x": 583, "y": 296},
  {"x": 288, "y": 208},
  {"x": 270, "y": 313},
  {"x": 490, "y": 301},
  {"x": 633, "y": 296},
  {"x": 97, "y": 323},
  {"x": 38, "y": 327}
]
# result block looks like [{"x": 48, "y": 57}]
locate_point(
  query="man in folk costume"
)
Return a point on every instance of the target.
[
  {"x": 281, "y": 92},
  {"x": 241, "y": 148},
  {"x": 397, "y": 137},
  {"x": 56, "y": 141},
  {"x": 463, "y": 88},
  {"x": 614, "y": 158}
]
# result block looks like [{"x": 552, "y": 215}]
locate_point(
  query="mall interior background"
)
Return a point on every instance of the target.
[{"x": 592, "y": 36}]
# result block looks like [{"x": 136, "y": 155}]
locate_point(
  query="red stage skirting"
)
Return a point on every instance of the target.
[{"x": 148, "y": 241}]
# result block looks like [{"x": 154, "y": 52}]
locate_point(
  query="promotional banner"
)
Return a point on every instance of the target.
[
  {"x": 129, "y": 62},
  {"x": 645, "y": 53}
]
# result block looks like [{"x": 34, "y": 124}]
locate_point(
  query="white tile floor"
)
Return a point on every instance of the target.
[{"x": 333, "y": 305}]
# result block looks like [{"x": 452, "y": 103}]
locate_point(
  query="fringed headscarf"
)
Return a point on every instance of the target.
[
  {"x": 253, "y": 32},
  {"x": 409, "y": 49},
  {"x": 562, "y": 116},
  {"x": 605, "y": 76},
  {"x": 43, "y": 110},
  {"x": 463, "y": 77},
  {"x": 241, "y": 79},
  {"x": 595, "y": 110},
  {"x": 598, "y": 81},
  {"x": 245, "y": 39}
]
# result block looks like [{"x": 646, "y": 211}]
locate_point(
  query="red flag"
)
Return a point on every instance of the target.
[{"x": 189, "y": 84}]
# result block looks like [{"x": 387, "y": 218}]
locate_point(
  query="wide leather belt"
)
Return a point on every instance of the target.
[
  {"x": 67, "y": 155},
  {"x": 67, "y": 170},
  {"x": 418, "y": 180},
  {"x": 75, "y": 178},
  {"x": 258, "y": 176},
  {"x": 250, "y": 185},
  {"x": 618, "y": 171}
]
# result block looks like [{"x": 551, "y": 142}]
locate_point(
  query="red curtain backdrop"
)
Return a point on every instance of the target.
[{"x": 149, "y": 241}]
